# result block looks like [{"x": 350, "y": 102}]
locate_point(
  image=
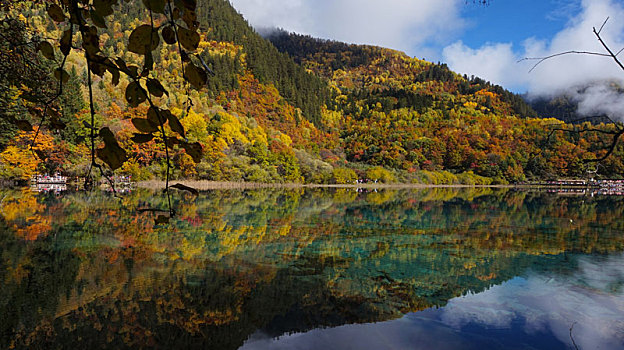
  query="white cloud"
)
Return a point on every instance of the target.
[
  {"x": 389, "y": 23},
  {"x": 499, "y": 62},
  {"x": 491, "y": 62}
]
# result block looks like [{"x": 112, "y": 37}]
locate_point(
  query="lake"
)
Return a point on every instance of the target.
[{"x": 312, "y": 269}]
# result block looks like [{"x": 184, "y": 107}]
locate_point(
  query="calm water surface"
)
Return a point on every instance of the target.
[{"x": 313, "y": 269}]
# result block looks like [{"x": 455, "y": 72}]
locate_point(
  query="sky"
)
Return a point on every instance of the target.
[{"x": 485, "y": 41}]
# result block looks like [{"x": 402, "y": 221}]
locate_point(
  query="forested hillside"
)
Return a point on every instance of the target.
[
  {"x": 404, "y": 113},
  {"x": 288, "y": 109}
]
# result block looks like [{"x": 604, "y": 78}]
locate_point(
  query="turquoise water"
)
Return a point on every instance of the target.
[{"x": 313, "y": 269}]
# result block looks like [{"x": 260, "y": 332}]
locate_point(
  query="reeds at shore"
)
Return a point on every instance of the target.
[
  {"x": 213, "y": 185},
  {"x": 223, "y": 185}
]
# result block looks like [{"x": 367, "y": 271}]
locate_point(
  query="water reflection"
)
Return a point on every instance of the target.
[
  {"x": 89, "y": 270},
  {"x": 49, "y": 187},
  {"x": 589, "y": 299},
  {"x": 538, "y": 310}
]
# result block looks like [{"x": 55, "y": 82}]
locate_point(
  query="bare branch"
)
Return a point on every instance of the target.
[
  {"x": 590, "y": 118},
  {"x": 542, "y": 59},
  {"x": 602, "y": 26},
  {"x": 571, "y": 337},
  {"x": 618, "y": 125},
  {"x": 610, "y": 148},
  {"x": 610, "y": 151},
  {"x": 614, "y": 56}
]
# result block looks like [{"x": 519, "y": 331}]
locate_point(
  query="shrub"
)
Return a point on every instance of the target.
[
  {"x": 380, "y": 174},
  {"x": 344, "y": 176}
]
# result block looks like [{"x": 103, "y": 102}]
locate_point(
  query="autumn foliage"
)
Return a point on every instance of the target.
[{"x": 256, "y": 115}]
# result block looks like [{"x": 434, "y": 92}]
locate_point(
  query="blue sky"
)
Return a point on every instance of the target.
[
  {"x": 515, "y": 20},
  {"x": 486, "y": 41}
]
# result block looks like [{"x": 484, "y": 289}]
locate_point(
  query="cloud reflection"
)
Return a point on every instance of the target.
[
  {"x": 591, "y": 299},
  {"x": 533, "y": 311}
]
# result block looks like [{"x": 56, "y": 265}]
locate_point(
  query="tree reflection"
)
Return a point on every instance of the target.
[{"x": 88, "y": 270}]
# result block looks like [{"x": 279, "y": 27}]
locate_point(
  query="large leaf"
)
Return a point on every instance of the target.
[
  {"x": 97, "y": 19},
  {"x": 61, "y": 74},
  {"x": 195, "y": 75},
  {"x": 66, "y": 39},
  {"x": 162, "y": 220},
  {"x": 188, "y": 38},
  {"x": 114, "y": 71},
  {"x": 168, "y": 35},
  {"x": 133, "y": 70},
  {"x": 46, "y": 50},
  {"x": 155, "y": 116},
  {"x": 155, "y": 88},
  {"x": 157, "y": 6},
  {"x": 91, "y": 40},
  {"x": 190, "y": 18},
  {"x": 172, "y": 141},
  {"x": 135, "y": 94},
  {"x": 56, "y": 13},
  {"x": 143, "y": 39},
  {"x": 104, "y": 7},
  {"x": 24, "y": 125},
  {"x": 176, "y": 11},
  {"x": 57, "y": 124},
  {"x": 107, "y": 135},
  {"x": 194, "y": 150},
  {"x": 97, "y": 69},
  {"x": 142, "y": 138},
  {"x": 144, "y": 125},
  {"x": 148, "y": 64},
  {"x": 30, "y": 97},
  {"x": 174, "y": 123},
  {"x": 123, "y": 66},
  {"x": 112, "y": 154}
]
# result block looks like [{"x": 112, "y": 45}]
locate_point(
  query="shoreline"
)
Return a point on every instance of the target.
[
  {"x": 204, "y": 185},
  {"x": 220, "y": 185}
]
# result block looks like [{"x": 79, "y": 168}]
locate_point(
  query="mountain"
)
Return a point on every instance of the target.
[
  {"x": 404, "y": 113},
  {"x": 325, "y": 57},
  {"x": 291, "y": 108}
]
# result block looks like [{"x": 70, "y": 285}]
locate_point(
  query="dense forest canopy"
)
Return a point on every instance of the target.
[{"x": 239, "y": 107}]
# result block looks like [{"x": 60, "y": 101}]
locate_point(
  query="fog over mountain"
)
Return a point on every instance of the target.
[{"x": 598, "y": 101}]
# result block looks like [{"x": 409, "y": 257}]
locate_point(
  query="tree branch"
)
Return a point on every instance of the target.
[
  {"x": 611, "y": 54},
  {"x": 572, "y": 52}
]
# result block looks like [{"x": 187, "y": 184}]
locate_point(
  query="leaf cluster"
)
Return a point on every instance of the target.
[{"x": 83, "y": 22}]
